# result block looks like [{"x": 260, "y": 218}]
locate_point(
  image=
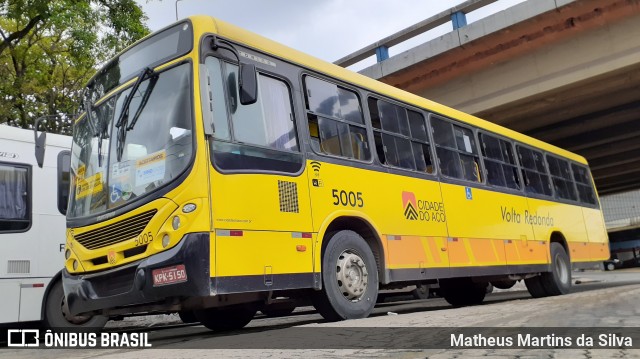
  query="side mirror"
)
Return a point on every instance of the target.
[
  {"x": 248, "y": 84},
  {"x": 40, "y": 141}
]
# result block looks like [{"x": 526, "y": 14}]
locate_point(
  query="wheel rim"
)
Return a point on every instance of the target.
[
  {"x": 563, "y": 271},
  {"x": 351, "y": 275}
]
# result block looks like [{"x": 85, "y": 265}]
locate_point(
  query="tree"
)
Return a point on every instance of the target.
[{"x": 49, "y": 50}]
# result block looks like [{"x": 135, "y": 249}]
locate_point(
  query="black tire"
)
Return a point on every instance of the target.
[
  {"x": 187, "y": 316},
  {"x": 535, "y": 288},
  {"x": 56, "y": 313},
  {"x": 463, "y": 291},
  {"x": 277, "y": 312},
  {"x": 226, "y": 318},
  {"x": 489, "y": 288},
  {"x": 558, "y": 281},
  {"x": 338, "y": 300},
  {"x": 504, "y": 284},
  {"x": 422, "y": 291}
]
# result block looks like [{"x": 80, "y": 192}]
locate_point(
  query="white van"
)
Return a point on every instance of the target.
[{"x": 33, "y": 202}]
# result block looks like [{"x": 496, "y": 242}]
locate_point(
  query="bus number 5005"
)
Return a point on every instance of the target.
[
  {"x": 144, "y": 238},
  {"x": 353, "y": 199}
]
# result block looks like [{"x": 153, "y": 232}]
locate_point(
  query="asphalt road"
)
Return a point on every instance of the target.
[{"x": 600, "y": 299}]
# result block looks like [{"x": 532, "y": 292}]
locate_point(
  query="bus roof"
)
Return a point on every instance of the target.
[{"x": 232, "y": 32}]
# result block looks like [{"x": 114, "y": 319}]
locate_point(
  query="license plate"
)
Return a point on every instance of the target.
[{"x": 169, "y": 275}]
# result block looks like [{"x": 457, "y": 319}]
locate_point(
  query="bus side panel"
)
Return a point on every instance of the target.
[
  {"x": 547, "y": 217},
  {"x": 596, "y": 230},
  {"x": 264, "y": 259},
  {"x": 408, "y": 212},
  {"x": 262, "y": 230},
  {"x": 31, "y": 299},
  {"x": 485, "y": 227},
  {"x": 10, "y": 308}
]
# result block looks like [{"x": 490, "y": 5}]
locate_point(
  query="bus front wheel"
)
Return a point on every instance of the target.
[
  {"x": 349, "y": 278},
  {"x": 57, "y": 316},
  {"x": 226, "y": 318}
]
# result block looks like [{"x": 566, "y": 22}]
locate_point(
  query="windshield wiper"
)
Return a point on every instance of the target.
[
  {"x": 99, "y": 131},
  {"x": 123, "y": 120}
]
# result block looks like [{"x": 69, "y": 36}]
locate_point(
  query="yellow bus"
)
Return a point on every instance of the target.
[{"x": 215, "y": 171}]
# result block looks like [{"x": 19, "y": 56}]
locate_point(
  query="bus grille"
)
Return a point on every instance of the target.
[{"x": 115, "y": 233}]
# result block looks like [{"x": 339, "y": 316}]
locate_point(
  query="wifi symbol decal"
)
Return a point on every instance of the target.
[{"x": 316, "y": 167}]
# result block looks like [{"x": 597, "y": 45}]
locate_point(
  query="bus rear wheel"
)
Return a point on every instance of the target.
[
  {"x": 558, "y": 281},
  {"x": 57, "y": 316},
  {"x": 349, "y": 278},
  {"x": 555, "y": 282},
  {"x": 226, "y": 318},
  {"x": 463, "y": 291}
]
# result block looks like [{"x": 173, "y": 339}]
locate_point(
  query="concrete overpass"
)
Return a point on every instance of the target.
[{"x": 564, "y": 71}]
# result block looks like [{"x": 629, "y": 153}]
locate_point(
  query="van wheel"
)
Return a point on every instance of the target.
[
  {"x": 463, "y": 291},
  {"x": 57, "y": 316},
  {"x": 610, "y": 266},
  {"x": 187, "y": 316},
  {"x": 422, "y": 291},
  {"x": 277, "y": 312},
  {"x": 227, "y": 318},
  {"x": 349, "y": 278},
  {"x": 504, "y": 284},
  {"x": 558, "y": 281}
]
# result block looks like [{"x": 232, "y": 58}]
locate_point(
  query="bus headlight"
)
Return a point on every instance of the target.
[
  {"x": 67, "y": 253},
  {"x": 175, "y": 223},
  {"x": 165, "y": 240},
  {"x": 75, "y": 264}
]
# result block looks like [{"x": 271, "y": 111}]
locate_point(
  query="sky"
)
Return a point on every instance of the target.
[{"x": 328, "y": 29}]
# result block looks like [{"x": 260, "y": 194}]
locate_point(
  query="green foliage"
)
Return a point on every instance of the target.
[{"x": 50, "y": 49}]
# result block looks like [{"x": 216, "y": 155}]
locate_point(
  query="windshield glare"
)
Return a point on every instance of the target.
[{"x": 155, "y": 151}]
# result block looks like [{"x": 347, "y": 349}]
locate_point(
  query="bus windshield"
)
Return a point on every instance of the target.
[{"x": 156, "y": 148}]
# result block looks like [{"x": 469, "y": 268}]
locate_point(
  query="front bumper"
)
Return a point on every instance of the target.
[{"x": 132, "y": 284}]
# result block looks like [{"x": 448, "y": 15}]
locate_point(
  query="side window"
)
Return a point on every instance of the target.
[
  {"x": 64, "y": 180},
  {"x": 336, "y": 124},
  {"x": 500, "y": 162},
  {"x": 400, "y": 136},
  {"x": 561, "y": 178},
  {"x": 260, "y": 136},
  {"x": 583, "y": 183},
  {"x": 15, "y": 198},
  {"x": 456, "y": 150},
  {"x": 534, "y": 171}
]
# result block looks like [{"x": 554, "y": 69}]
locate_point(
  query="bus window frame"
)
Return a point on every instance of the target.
[
  {"x": 29, "y": 169},
  {"x": 425, "y": 116},
  {"x": 365, "y": 116},
  {"x": 225, "y": 57},
  {"x": 522, "y": 168},
  {"x": 59, "y": 186},
  {"x": 591, "y": 183},
  {"x": 518, "y": 166},
  {"x": 572, "y": 179},
  {"x": 474, "y": 131}
]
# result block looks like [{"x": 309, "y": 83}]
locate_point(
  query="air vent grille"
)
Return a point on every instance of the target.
[
  {"x": 19, "y": 267},
  {"x": 288, "y": 193},
  {"x": 116, "y": 232}
]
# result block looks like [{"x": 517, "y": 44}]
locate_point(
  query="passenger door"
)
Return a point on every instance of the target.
[{"x": 260, "y": 200}]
